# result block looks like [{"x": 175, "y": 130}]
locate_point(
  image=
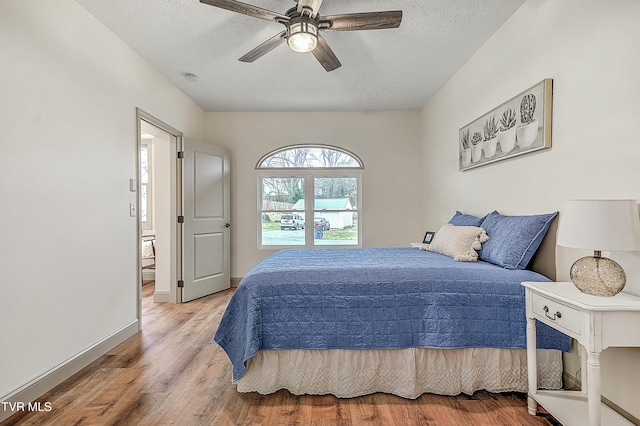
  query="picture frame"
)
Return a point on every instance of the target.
[
  {"x": 428, "y": 237},
  {"x": 518, "y": 126}
]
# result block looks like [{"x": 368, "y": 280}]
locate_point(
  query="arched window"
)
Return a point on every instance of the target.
[
  {"x": 289, "y": 177},
  {"x": 309, "y": 156}
]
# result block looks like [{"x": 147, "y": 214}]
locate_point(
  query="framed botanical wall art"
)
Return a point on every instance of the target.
[{"x": 520, "y": 125}]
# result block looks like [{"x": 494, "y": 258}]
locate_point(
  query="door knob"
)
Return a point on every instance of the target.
[{"x": 227, "y": 225}]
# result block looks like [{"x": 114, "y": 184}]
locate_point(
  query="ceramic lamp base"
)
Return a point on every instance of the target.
[{"x": 599, "y": 276}]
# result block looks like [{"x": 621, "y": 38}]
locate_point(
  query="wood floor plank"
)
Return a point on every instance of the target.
[{"x": 172, "y": 373}]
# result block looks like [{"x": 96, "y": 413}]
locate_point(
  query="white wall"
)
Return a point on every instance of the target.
[
  {"x": 69, "y": 89},
  {"x": 590, "y": 49},
  {"x": 386, "y": 142}
]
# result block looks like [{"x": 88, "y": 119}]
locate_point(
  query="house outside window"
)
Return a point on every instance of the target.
[{"x": 328, "y": 176}]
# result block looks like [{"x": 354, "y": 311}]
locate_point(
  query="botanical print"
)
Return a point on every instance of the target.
[{"x": 520, "y": 125}]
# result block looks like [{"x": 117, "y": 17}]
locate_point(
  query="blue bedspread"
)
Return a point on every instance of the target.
[{"x": 376, "y": 298}]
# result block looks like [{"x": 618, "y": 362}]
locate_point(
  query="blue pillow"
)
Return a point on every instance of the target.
[
  {"x": 513, "y": 240},
  {"x": 461, "y": 219}
]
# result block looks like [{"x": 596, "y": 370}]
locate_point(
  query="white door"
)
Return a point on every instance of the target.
[{"x": 206, "y": 211}]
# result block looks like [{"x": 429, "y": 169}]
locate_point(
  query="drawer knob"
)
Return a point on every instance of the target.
[{"x": 554, "y": 317}]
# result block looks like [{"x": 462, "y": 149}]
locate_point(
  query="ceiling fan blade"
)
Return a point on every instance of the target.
[
  {"x": 362, "y": 21},
  {"x": 325, "y": 55},
  {"x": 246, "y": 9},
  {"x": 313, "y": 4},
  {"x": 265, "y": 47}
]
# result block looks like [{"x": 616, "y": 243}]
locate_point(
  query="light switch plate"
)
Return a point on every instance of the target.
[
  {"x": 133, "y": 185},
  {"x": 132, "y": 209}
]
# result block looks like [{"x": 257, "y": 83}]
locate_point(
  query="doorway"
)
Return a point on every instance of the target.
[
  {"x": 157, "y": 187},
  {"x": 157, "y": 203},
  {"x": 183, "y": 208}
]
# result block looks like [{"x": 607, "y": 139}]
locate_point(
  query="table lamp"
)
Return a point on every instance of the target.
[{"x": 599, "y": 225}]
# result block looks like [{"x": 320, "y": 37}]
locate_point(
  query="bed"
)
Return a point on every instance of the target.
[{"x": 404, "y": 321}]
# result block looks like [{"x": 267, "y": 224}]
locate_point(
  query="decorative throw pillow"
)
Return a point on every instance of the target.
[
  {"x": 461, "y": 219},
  {"x": 514, "y": 239},
  {"x": 459, "y": 242}
]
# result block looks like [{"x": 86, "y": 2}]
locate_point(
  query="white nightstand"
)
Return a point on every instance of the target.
[
  {"x": 596, "y": 323},
  {"x": 421, "y": 246}
]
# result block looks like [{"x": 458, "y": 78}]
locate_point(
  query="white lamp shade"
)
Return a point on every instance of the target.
[{"x": 604, "y": 225}]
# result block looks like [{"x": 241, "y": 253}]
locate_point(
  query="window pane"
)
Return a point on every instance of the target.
[
  {"x": 146, "y": 212},
  {"x": 335, "y": 193},
  {"x": 325, "y": 233},
  {"x": 283, "y": 229},
  {"x": 282, "y": 193},
  {"x": 144, "y": 164},
  {"x": 309, "y": 156},
  {"x": 144, "y": 202},
  {"x": 335, "y": 211},
  {"x": 283, "y": 211}
]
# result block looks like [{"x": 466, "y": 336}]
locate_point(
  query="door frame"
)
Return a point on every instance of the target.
[{"x": 176, "y": 182}]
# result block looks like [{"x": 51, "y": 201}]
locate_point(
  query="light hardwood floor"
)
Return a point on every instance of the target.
[{"x": 173, "y": 373}]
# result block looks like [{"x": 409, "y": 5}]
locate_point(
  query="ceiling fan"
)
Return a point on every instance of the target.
[{"x": 303, "y": 26}]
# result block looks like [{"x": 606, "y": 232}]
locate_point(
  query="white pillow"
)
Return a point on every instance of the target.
[{"x": 459, "y": 242}]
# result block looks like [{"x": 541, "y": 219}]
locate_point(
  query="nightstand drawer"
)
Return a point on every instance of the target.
[{"x": 561, "y": 315}]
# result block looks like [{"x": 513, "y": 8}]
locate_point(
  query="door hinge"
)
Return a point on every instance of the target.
[
  {"x": 180, "y": 284},
  {"x": 180, "y": 219},
  {"x": 180, "y": 155}
]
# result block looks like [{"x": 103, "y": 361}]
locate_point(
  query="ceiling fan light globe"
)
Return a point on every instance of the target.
[
  {"x": 302, "y": 36},
  {"x": 302, "y": 42}
]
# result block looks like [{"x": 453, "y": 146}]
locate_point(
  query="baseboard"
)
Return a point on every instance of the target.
[
  {"x": 235, "y": 281},
  {"x": 161, "y": 296},
  {"x": 621, "y": 411},
  {"x": 40, "y": 385},
  {"x": 569, "y": 382},
  {"x": 148, "y": 275}
]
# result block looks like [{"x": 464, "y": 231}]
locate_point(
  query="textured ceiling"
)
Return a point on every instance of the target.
[{"x": 393, "y": 69}]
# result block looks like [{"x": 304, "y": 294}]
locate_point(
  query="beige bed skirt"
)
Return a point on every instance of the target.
[{"x": 404, "y": 372}]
